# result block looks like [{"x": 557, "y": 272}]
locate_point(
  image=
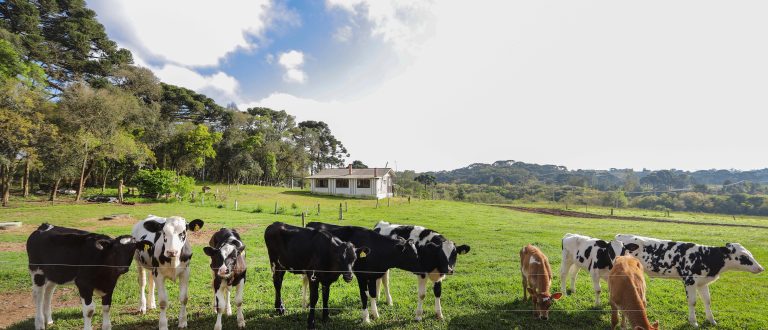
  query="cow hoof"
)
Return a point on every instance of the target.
[
  {"x": 241, "y": 324},
  {"x": 568, "y": 292},
  {"x": 142, "y": 311},
  {"x": 418, "y": 317},
  {"x": 440, "y": 317}
]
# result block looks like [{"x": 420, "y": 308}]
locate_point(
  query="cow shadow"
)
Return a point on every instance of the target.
[{"x": 517, "y": 314}]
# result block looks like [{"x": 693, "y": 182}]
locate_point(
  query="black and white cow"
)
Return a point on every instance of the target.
[
  {"x": 94, "y": 262},
  {"x": 696, "y": 265},
  {"x": 168, "y": 259},
  {"x": 386, "y": 253},
  {"x": 437, "y": 256},
  {"x": 591, "y": 254},
  {"x": 311, "y": 252},
  {"x": 227, "y": 252}
]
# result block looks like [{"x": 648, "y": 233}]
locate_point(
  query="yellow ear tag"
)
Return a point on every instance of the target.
[
  {"x": 146, "y": 248},
  {"x": 362, "y": 254},
  {"x": 197, "y": 227}
]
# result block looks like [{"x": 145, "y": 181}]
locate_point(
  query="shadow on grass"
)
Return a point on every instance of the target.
[{"x": 517, "y": 314}]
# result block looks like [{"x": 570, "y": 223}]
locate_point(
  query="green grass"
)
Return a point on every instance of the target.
[{"x": 485, "y": 292}]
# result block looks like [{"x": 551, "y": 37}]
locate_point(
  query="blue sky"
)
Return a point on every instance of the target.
[{"x": 432, "y": 85}]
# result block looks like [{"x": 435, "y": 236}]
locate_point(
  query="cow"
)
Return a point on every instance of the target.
[
  {"x": 317, "y": 254},
  {"x": 537, "y": 281},
  {"x": 386, "y": 253},
  {"x": 168, "y": 259},
  {"x": 626, "y": 284},
  {"x": 591, "y": 254},
  {"x": 437, "y": 257},
  {"x": 697, "y": 266},
  {"x": 94, "y": 262},
  {"x": 227, "y": 252}
]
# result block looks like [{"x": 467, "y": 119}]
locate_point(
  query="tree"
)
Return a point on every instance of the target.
[
  {"x": 358, "y": 164},
  {"x": 426, "y": 180},
  {"x": 324, "y": 149}
]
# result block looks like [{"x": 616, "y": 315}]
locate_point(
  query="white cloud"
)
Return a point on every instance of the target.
[
  {"x": 343, "y": 34},
  {"x": 219, "y": 82},
  {"x": 292, "y": 61}
]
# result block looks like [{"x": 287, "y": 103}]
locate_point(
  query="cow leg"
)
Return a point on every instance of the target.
[
  {"x": 162, "y": 295},
  {"x": 361, "y": 284},
  {"x": 565, "y": 268},
  {"x": 184, "y": 296},
  {"x": 704, "y": 291},
  {"x": 218, "y": 300},
  {"x": 614, "y": 315},
  {"x": 277, "y": 280},
  {"x": 385, "y": 282},
  {"x": 106, "y": 305},
  {"x": 229, "y": 306},
  {"x": 47, "y": 311},
  {"x": 422, "y": 294},
  {"x": 38, "y": 296},
  {"x": 373, "y": 293},
  {"x": 326, "y": 294},
  {"x": 437, "y": 290},
  {"x": 86, "y": 298},
  {"x": 525, "y": 287},
  {"x": 151, "y": 290},
  {"x": 142, "y": 287},
  {"x": 596, "y": 285},
  {"x": 313, "y": 295},
  {"x": 690, "y": 293},
  {"x": 239, "y": 303},
  {"x": 304, "y": 288}
]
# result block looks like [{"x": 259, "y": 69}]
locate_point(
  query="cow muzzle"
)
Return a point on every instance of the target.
[
  {"x": 347, "y": 277},
  {"x": 759, "y": 269},
  {"x": 171, "y": 254}
]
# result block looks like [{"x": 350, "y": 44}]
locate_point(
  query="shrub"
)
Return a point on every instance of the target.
[{"x": 164, "y": 183}]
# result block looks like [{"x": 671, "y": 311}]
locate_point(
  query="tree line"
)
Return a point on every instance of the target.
[{"x": 75, "y": 112}]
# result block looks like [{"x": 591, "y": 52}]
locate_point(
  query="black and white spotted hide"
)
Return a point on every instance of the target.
[{"x": 227, "y": 253}]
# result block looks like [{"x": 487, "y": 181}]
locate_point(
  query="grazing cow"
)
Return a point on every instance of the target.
[
  {"x": 227, "y": 252},
  {"x": 437, "y": 257},
  {"x": 537, "y": 280},
  {"x": 386, "y": 253},
  {"x": 626, "y": 284},
  {"x": 696, "y": 265},
  {"x": 591, "y": 254},
  {"x": 317, "y": 254},
  {"x": 94, "y": 262},
  {"x": 168, "y": 259}
]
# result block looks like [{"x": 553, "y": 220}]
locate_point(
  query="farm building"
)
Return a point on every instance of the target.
[{"x": 356, "y": 182}]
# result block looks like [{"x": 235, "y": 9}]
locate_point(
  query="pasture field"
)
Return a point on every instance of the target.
[{"x": 484, "y": 293}]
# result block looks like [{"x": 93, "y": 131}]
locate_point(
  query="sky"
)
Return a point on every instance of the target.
[{"x": 438, "y": 85}]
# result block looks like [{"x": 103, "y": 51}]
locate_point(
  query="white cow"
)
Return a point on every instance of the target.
[
  {"x": 696, "y": 265},
  {"x": 169, "y": 259}
]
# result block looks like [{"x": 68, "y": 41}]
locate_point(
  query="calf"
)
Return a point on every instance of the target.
[
  {"x": 626, "y": 284},
  {"x": 696, "y": 265},
  {"x": 169, "y": 259},
  {"x": 317, "y": 254},
  {"x": 227, "y": 253},
  {"x": 537, "y": 280},
  {"x": 385, "y": 253},
  {"x": 437, "y": 258},
  {"x": 591, "y": 254},
  {"x": 94, "y": 262}
]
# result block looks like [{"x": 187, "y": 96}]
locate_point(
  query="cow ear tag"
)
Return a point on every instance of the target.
[
  {"x": 362, "y": 254},
  {"x": 146, "y": 247},
  {"x": 197, "y": 227}
]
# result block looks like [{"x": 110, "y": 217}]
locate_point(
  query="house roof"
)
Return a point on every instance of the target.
[{"x": 355, "y": 173}]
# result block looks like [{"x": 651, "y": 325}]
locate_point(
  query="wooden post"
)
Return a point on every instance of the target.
[
  {"x": 409, "y": 199},
  {"x": 202, "y": 199},
  {"x": 303, "y": 214},
  {"x": 341, "y": 213},
  {"x": 120, "y": 191},
  {"x": 346, "y": 209},
  {"x": 235, "y": 205},
  {"x": 216, "y": 197},
  {"x": 611, "y": 211},
  {"x": 387, "y": 201},
  {"x": 275, "y": 207},
  {"x": 318, "y": 208},
  {"x": 377, "y": 203}
]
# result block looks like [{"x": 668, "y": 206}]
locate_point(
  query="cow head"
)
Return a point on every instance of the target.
[
  {"x": 654, "y": 326},
  {"x": 608, "y": 251},
  {"x": 445, "y": 255},
  {"x": 118, "y": 252},
  {"x": 173, "y": 233},
  {"x": 542, "y": 301},
  {"x": 344, "y": 256},
  {"x": 408, "y": 248},
  {"x": 224, "y": 258},
  {"x": 740, "y": 258}
]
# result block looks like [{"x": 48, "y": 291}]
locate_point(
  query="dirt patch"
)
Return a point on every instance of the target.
[
  {"x": 12, "y": 247},
  {"x": 203, "y": 237},
  {"x": 93, "y": 224},
  {"x": 18, "y": 306},
  {"x": 576, "y": 214}
]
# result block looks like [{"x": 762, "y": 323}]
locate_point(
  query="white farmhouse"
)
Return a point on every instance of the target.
[{"x": 355, "y": 182}]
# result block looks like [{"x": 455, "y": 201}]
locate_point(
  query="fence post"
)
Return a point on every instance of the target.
[
  {"x": 275, "y": 207},
  {"x": 318, "y": 208},
  {"x": 611, "y": 211},
  {"x": 202, "y": 200},
  {"x": 377, "y": 202},
  {"x": 120, "y": 192},
  {"x": 387, "y": 201},
  {"x": 409, "y": 199},
  {"x": 235, "y": 205},
  {"x": 346, "y": 209},
  {"x": 303, "y": 214},
  {"x": 341, "y": 213}
]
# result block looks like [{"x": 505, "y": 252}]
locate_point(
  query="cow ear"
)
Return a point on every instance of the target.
[
  {"x": 362, "y": 252},
  {"x": 195, "y": 225},
  {"x": 144, "y": 245},
  {"x": 153, "y": 226},
  {"x": 557, "y": 295},
  {"x": 602, "y": 244},
  {"x": 209, "y": 251},
  {"x": 102, "y": 244},
  {"x": 631, "y": 247},
  {"x": 725, "y": 250},
  {"x": 462, "y": 249}
]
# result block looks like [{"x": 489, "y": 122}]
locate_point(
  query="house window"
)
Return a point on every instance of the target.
[
  {"x": 321, "y": 183},
  {"x": 342, "y": 183},
  {"x": 363, "y": 183}
]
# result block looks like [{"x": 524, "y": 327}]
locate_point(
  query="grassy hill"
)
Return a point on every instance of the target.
[{"x": 485, "y": 291}]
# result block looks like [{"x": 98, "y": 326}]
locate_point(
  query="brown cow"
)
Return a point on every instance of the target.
[
  {"x": 627, "y": 286},
  {"x": 537, "y": 280}
]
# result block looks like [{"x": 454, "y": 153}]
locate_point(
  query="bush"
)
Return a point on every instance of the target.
[
  {"x": 184, "y": 186},
  {"x": 258, "y": 209},
  {"x": 163, "y": 183}
]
